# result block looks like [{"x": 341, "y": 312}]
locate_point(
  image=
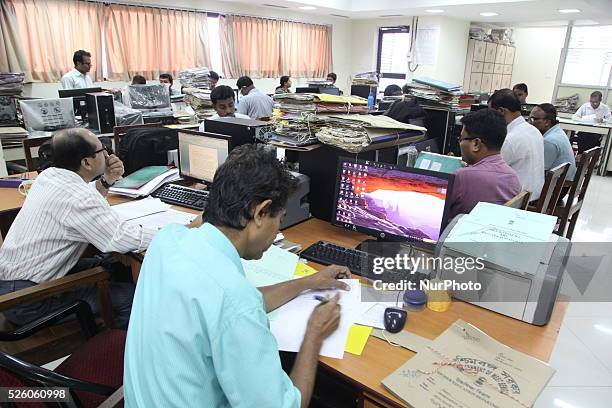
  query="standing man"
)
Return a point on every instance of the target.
[
  {"x": 254, "y": 103},
  {"x": 521, "y": 92},
  {"x": 77, "y": 78},
  {"x": 523, "y": 149},
  {"x": 595, "y": 112},
  {"x": 199, "y": 335},
  {"x": 222, "y": 98}
]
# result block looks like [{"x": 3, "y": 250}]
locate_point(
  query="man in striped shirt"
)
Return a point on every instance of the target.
[{"x": 64, "y": 212}]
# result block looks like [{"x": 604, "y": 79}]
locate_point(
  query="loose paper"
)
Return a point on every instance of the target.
[
  {"x": 161, "y": 219},
  {"x": 139, "y": 208},
  {"x": 275, "y": 266},
  {"x": 357, "y": 339}
]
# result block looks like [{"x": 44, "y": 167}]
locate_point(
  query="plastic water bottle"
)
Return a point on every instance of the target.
[
  {"x": 412, "y": 154},
  {"x": 371, "y": 99}
]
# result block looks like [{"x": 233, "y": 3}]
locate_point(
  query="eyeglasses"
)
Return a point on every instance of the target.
[
  {"x": 104, "y": 148},
  {"x": 533, "y": 118}
]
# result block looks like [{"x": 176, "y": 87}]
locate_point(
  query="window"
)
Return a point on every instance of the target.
[
  {"x": 393, "y": 47},
  {"x": 214, "y": 42},
  {"x": 589, "y": 56}
]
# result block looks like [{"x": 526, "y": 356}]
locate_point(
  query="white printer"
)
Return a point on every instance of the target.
[{"x": 521, "y": 262}]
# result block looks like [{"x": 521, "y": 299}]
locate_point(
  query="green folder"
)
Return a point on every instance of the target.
[
  {"x": 141, "y": 177},
  {"x": 438, "y": 162}
]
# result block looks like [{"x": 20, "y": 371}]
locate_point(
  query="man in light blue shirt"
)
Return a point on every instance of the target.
[
  {"x": 199, "y": 334},
  {"x": 253, "y": 103},
  {"x": 557, "y": 147}
]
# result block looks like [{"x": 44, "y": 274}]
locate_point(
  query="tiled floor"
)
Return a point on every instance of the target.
[{"x": 583, "y": 353}]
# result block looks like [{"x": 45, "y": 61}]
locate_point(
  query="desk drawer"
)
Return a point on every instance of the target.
[{"x": 370, "y": 401}]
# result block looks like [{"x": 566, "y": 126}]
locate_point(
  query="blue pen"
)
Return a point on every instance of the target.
[{"x": 322, "y": 299}]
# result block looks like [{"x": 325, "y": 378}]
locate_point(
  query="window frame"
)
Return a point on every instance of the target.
[{"x": 381, "y": 32}]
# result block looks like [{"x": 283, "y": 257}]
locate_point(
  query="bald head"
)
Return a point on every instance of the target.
[{"x": 70, "y": 146}]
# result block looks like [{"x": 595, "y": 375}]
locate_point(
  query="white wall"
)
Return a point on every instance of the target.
[
  {"x": 341, "y": 32},
  {"x": 452, "y": 45},
  {"x": 537, "y": 60}
]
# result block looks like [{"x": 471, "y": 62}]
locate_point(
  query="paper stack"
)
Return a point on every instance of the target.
[
  {"x": 195, "y": 78},
  {"x": 366, "y": 78},
  {"x": 12, "y": 136},
  {"x": 151, "y": 213},
  {"x": 441, "y": 93},
  {"x": 11, "y": 84},
  {"x": 199, "y": 101},
  {"x": 320, "y": 103},
  {"x": 143, "y": 182}
]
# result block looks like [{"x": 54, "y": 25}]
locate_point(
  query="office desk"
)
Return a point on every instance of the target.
[{"x": 604, "y": 129}]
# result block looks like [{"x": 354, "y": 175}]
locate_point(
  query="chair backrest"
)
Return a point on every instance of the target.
[
  {"x": 584, "y": 170},
  {"x": 520, "y": 201},
  {"x": 120, "y": 131},
  {"x": 553, "y": 183}
]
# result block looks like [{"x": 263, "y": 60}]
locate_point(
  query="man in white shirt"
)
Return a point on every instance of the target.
[
  {"x": 78, "y": 78},
  {"x": 63, "y": 213},
  {"x": 523, "y": 149},
  {"x": 594, "y": 112},
  {"x": 222, "y": 98},
  {"x": 254, "y": 103}
]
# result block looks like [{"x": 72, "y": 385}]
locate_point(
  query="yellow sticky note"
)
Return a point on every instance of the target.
[
  {"x": 301, "y": 269},
  {"x": 357, "y": 339}
]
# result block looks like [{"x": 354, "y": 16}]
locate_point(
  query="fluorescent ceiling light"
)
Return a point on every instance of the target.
[
  {"x": 307, "y": 8},
  {"x": 435, "y": 11},
  {"x": 568, "y": 11},
  {"x": 489, "y": 14}
]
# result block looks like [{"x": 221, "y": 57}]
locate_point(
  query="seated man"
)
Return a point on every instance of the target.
[
  {"x": 521, "y": 91},
  {"x": 393, "y": 90},
  {"x": 222, "y": 98},
  {"x": 214, "y": 79},
  {"x": 254, "y": 103},
  {"x": 595, "y": 112},
  {"x": 167, "y": 80},
  {"x": 523, "y": 148},
  {"x": 487, "y": 178},
  {"x": 407, "y": 110},
  {"x": 199, "y": 335},
  {"x": 63, "y": 213}
]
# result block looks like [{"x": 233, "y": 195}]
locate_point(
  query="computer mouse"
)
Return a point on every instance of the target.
[{"x": 395, "y": 319}]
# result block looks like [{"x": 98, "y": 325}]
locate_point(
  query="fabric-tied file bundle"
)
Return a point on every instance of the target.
[
  {"x": 320, "y": 103},
  {"x": 196, "y": 87}
]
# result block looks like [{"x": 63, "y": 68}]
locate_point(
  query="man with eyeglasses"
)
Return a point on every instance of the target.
[
  {"x": 64, "y": 212},
  {"x": 77, "y": 78},
  {"x": 487, "y": 178}
]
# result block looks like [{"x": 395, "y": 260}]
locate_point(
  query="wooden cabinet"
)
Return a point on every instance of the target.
[{"x": 488, "y": 66}]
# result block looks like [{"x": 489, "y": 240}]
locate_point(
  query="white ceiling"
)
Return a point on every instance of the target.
[{"x": 514, "y": 12}]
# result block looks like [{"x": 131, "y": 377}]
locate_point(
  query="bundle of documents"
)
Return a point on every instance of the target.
[
  {"x": 143, "y": 182},
  {"x": 199, "y": 100},
  {"x": 12, "y": 136},
  {"x": 441, "y": 93},
  {"x": 464, "y": 367},
  {"x": 567, "y": 104},
  {"x": 320, "y": 103},
  {"x": 296, "y": 131},
  {"x": 11, "y": 84},
  {"x": 195, "y": 78},
  {"x": 151, "y": 213},
  {"x": 366, "y": 78}
]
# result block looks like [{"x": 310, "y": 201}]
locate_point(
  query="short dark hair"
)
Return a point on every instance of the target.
[
  {"x": 333, "y": 76},
  {"x": 69, "y": 147},
  {"x": 167, "y": 76},
  {"x": 521, "y": 87},
  {"x": 213, "y": 75},
  {"x": 597, "y": 94},
  {"x": 488, "y": 125},
  {"x": 79, "y": 56},
  {"x": 406, "y": 89},
  {"x": 391, "y": 89},
  {"x": 550, "y": 111},
  {"x": 505, "y": 98},
  {"x": 284, "y": 79},
  {"x": 138, "y": 80},
  {"x": 244, "y": 81},
  {"x": 221, "y": 92},
  {"x": 250, "y": 175}
]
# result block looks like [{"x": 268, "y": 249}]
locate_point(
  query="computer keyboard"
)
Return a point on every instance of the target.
[{"x": 183, "y": 196}]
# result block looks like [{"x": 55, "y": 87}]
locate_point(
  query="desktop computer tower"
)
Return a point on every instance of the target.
[
  {"x": 242, "y": 131},
  {"x": 100, "y": 112}
]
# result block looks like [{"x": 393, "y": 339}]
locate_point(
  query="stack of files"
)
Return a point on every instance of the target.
[
  {"x": 199, "y": 101},
  {"x": 11, "y": 84},
  {"x": 321, "y": 103},
  {"x": 143, "y": 182},
  {"x": 151, "y": 213},
  {"x": 441, "y": 93},
  {"x": 434, "y": 83},
  {"x": 195, "y": 78},
  {"x": 12, "y": 136},
  {"x": 298, "y": 131},
  {"x": 366, "y": 78}
]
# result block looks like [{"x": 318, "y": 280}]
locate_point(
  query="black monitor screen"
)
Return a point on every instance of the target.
[{"x": 392, "y": 202}]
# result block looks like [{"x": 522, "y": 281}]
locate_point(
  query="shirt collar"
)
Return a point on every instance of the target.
[
  {"x": 219, "y": 241},
  {"x": 489, "y": 159},
  {"x": 516, "y": 122},
  {"x": 76, "y": 72},
  {"x": 553, "y": 129}
]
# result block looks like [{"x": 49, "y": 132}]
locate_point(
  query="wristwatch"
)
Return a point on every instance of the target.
[{"x": 105, "y": 183}]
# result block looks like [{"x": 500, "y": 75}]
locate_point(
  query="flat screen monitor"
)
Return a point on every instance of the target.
[
  {"x": 307, "y": 89},
  {"x": 330, "y": 90},
  {"x": 390, "y": 202},
  {"x": 79, "y": 101},
  {"x": 201, "y": 153},
  {"x": 47, "y": 114}
]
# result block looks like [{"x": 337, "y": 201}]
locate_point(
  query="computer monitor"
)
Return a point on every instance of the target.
[
  {"x": 330, "y": 90},
  {"x": 149, "y": 98},
  {"x": 307, "y": 89},
  {"x": 391, "y": 203},
  {"x": 79, "y": 101},
  {"x": 47, "y": 114},
  {"x": 201, "y": 153}
]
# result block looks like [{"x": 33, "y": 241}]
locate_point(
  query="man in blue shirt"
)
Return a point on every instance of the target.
[
  {"x": 253, "y": 103},
  {"x": 199, "y": 335}
]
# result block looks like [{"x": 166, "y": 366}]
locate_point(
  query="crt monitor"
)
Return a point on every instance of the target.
[
  {"x": 47, "y": 114},
  {"x": 79, "y": 101},
  {"x": 390, "y": 202},
  {"x": 201, "y": 153}
]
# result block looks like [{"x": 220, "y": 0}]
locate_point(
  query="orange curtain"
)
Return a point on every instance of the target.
[
  {"x": 149, "y": 41},
  {"x": 263, "y": 48},
  {"x": 50, "y": 31}
]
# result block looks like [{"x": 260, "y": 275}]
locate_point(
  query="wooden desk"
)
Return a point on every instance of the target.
[
  {"x": 10, "y": 204},
  {"x": 604, "y": 129}
]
